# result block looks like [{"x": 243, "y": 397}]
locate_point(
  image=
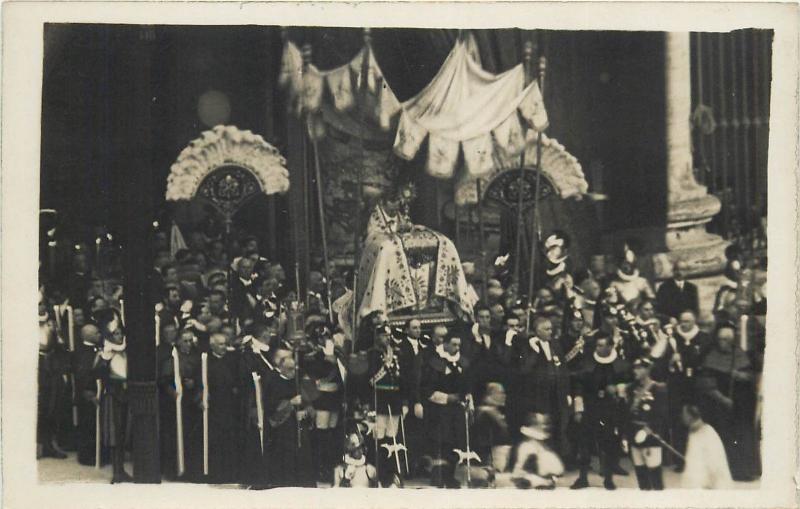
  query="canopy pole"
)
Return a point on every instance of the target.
[
  {"x": 536, "y": 234},
  {"x": 455, "y": 216},
  {"x": 320, "y": 203},
  {"x": 306, "y": 52},
  {"x": 528, "y": 52},
  {"x": 481, "y": 241},
  {"x": 360, "y": 179}
]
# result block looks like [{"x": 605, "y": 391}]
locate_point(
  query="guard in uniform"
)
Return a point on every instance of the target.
[
  {"x": 389, "y": 403},
  {"x": 112, "y": 367},
  {"x": 647, "y": 419},
  {"x": 445, "y": 384},
  {"x": 323, "y": 366},
  {"x": 597, "y": 405}
]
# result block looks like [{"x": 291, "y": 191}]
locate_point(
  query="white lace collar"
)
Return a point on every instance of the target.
[
  {"x": 606, "y": 360},
  {"x": 557, "y": 269},
  {"x": 690, "y": 335},
  {"x": 349, "y": 460},
  {"x": 447, "y": 356},
  {"x": 628, "y": 277}
]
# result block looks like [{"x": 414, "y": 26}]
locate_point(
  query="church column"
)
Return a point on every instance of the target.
[
  {"x": 135, "y": 158},
  {"x": 689, "y": 206}
]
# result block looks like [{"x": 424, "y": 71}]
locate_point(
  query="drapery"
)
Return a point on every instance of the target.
[
  {"x": 344, "y": 83},
  {"x": 490, "y": 120},
  {"x": 562, "y": 168},
  {"x": 465, "y": 108}
]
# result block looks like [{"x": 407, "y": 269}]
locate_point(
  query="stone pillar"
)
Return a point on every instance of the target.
[
  {"x": 139, "y": 58},
  {"x": 689, "y": 206}
]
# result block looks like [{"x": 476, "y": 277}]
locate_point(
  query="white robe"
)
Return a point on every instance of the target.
[{"x": 706, "y": 463}]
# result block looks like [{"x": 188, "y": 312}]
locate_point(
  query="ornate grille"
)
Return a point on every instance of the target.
[{"x": 731, "y": 76}]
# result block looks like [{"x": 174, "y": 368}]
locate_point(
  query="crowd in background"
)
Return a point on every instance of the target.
[{"x": 600, "y": 362}]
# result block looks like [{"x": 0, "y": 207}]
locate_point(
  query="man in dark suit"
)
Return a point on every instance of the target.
[
  {"x": 676, "y": 295},
  {"x": 244, "y": 288},
  {"x": 412, "y": 348},
  {"x": 539, "y": 380}
]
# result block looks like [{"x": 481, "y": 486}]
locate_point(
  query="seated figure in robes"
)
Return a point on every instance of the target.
[{"x": 408, "y": 266}]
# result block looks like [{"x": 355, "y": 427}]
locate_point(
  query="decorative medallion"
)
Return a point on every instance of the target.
[
  {"x": 506, "y": 187},
  {"x": 228, "y": 188}
]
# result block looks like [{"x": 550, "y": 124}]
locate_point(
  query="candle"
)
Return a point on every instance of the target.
[
  {"x": 743, "y": 333},
  {"x": 51, "y": 251},
  {"x": 70, "y": 329},
  {"x": 97, "y": 253},
  {"x": 158, "y": 329},
  {"x": 122, "y": 310},
  {"x": 57, "y": 317}
]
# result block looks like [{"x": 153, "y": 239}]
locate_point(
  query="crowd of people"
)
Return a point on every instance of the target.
[{"x": 260, "y": 386}]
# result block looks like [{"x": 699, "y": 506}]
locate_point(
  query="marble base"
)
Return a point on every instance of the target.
[{"x": 687, "y": 242}]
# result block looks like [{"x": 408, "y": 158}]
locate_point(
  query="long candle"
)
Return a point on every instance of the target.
[
  {"x": 97, "y": 254},
  {"x": 743, "y": 333},
  {"x": 51, "y": 251},
  {"x": 204, "y": 375},
  {"x": 158, "y": 329},
  {"x": 57, "y": 317},
  {"x": 70, "y": 329}
]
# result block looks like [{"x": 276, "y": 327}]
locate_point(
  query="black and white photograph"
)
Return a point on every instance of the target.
[{"x": 364, "y": 255}]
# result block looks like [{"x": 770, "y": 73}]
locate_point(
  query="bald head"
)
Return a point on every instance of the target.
[{"x": 90, "y": 334}]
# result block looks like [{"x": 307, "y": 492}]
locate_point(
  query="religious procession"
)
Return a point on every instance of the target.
[{"x": 335, "y": 318}]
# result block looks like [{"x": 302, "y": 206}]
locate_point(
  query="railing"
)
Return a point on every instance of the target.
[{"x": 731, "y": 76}]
